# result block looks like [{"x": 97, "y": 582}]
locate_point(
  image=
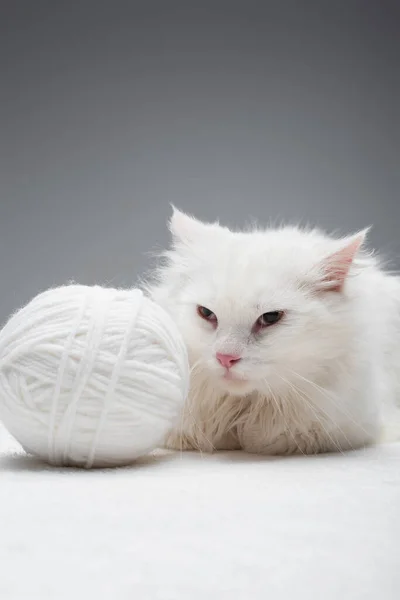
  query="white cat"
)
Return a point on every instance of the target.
[{"x": 293, "y": 338}]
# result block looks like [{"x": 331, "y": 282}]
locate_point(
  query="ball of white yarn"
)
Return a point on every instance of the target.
[{"x": 91, "y": 376}]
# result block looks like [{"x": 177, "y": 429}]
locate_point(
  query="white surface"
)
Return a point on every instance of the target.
[{"x": 228, "y": 526}]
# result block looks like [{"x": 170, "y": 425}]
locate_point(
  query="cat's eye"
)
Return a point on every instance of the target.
[
  {"x": 206, "y": 314},
  {"x": 269, "y": 318}
]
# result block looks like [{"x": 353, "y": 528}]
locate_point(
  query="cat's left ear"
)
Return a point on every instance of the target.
[
  {"x": 336, "y": 267},
  {"x": 185, "y": 228}
]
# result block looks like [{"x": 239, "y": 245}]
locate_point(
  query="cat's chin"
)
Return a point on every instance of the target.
[{"x": 235, "y": 386}]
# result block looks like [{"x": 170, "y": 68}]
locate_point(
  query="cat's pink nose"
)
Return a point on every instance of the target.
[{"x": 227, "y": 360}]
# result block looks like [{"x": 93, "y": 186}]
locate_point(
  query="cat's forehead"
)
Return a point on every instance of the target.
[
  {"x": 282, "y": 255},
  {"x": 255, "y": 270}
]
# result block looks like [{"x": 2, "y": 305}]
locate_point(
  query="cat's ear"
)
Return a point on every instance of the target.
[
  {"x": 184, "y": 228},
  {"x": 336, "y": 266}
]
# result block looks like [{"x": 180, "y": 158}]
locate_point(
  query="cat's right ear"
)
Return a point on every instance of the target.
[
  {"x": 184, "y": 228},
  {"x": 336, "y": 266}
]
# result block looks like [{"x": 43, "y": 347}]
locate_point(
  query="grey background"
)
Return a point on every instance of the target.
[{"x": 112, "y": 110}]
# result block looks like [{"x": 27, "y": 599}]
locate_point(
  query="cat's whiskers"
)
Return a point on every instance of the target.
[
  {"x": 334, "y": 401},
  {"x": 301, "y": 394}
]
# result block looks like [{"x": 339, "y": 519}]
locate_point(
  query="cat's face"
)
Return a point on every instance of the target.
[{"x": 255, "y": 308}]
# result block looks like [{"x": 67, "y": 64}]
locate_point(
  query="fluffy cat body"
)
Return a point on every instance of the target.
[{"x": 324, "y": 378}]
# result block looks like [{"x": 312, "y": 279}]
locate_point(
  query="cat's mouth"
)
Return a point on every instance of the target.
[{"x": 234, "y": 381}]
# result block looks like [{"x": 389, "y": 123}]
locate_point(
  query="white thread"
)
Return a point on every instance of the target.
[
  {"x": 59, "y": 380},
  {"x": 91, "y": 376},
  {"x": 113, "y": 379}
]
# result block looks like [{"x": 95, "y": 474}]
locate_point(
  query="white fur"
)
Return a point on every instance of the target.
[{"x": 325, "y": 378}]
